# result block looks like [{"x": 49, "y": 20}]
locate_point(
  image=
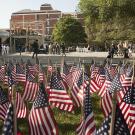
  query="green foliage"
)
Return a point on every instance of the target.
[
  {"x": 109, "y": 19},
  {"x": 68, "y": 31}
]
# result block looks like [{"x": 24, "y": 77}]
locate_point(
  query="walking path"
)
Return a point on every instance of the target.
[{"x": 71, "y": 57}]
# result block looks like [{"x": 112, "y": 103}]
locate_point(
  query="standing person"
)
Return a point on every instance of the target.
[
  {"x": 35, "y": 48},
  {"x": 63, "y": 49},
  {"x": 3, "y": 49},
  {"x": 7, "y": 49},
  {"x": 125, "y": 46},
  {"x": 112, "y": 51}
]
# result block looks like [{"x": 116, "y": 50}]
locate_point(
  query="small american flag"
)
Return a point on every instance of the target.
[
  {"x": 87, "y": 125},
  {"x": 66, "y": 75},
  {"x": 120, "y": 127},
  {"x": 106, "y": 83},
  {"x": 127, "y": 107},
  {"x": 58, "y": 95},
  {"x": 4, "y": 103},
  {"x": 100, "y": 77},
  {"x": 30, "y": 91},
  {"x": 2, "y": 73},
  {"x": 20, "y": 106},
  {"x": 41, "y": 119},
  {"x": 8, "y": 123},
  {"x": 76, "y": 88},
  {"x": 106, "y": 103},
  {"x": 20, "y": 73},
  {"x": 116, "y": 84}
]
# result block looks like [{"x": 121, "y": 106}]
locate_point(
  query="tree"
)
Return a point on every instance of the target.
[
  {"x": 68, "y": 30},
  {"x": 109, "y": 19}
]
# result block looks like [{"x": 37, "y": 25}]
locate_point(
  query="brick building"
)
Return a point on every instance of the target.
[{"x": 40, "y": 21}]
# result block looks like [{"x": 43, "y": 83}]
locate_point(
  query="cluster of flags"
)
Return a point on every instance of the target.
[{"x": 68, "y": 89}]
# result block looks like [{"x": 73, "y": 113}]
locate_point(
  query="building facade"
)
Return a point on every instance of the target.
[{"x": 40, "y": 21}]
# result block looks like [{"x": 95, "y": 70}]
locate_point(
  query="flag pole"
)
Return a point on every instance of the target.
[
  {"x": 62, "y": 64},
  {"x": 27, "y": 103},
  {"x": 83, "y": 90},
  {"x": 13, "y": 92},
  {"x": 114, "y": 103},
  {"x": 14, "y": 109},
  {"x": 113, "y": 113},
  {"x": 47, "y": 70},
  {"x": 133, "y": 73}
]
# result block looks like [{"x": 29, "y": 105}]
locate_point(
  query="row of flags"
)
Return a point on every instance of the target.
[{"x": 68, "y": 90}]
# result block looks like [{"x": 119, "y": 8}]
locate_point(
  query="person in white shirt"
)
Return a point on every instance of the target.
[
  {"x": 7, "y": 49},
  {"x": 3, "y": 49}
]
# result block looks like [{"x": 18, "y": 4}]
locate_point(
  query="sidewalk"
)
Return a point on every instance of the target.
[{"x": 74, "y": 54}]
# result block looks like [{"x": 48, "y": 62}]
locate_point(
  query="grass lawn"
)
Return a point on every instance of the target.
[{"x": 67, "y": 122}]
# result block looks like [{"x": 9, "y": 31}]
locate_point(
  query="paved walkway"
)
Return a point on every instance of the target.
[
  {"x": 74, "y": 54},
  {"x": 71, "y": 57}
]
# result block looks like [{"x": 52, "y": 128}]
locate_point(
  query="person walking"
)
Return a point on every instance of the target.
[
  {"x": 35, "y": 48},
  {"x": 63, "y": 49}
]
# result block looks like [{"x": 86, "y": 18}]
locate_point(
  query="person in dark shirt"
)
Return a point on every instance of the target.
[
  {"x": 63, "y": 49},
  {"x": 35, "y": 48}
]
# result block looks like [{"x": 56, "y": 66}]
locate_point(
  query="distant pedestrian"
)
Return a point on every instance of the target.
[
  {"x": 7, "y": 49},
  {"x": 129, "y": 52},
  {"x": 63, "y": 49},
  {"x": 112, "y": 50},
  {"x": 35, "y": 48},
  {"x": 3, "y": 49}
]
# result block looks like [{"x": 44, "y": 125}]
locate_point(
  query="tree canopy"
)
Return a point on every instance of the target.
[
  {"x": 109, "y": 19},
  {"x": 68, "y": 30}
]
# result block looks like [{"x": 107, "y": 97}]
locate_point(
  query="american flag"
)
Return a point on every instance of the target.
[
  {"x": 106, "y": 103},
  {"x": 20, "y": 106},
  {"x": 120, "y": 127},
  {"x": 30, "y": 75},
  {"x": 94, "y": 71},
  {"x": 11, "y": 81},
  {"x": 100, "y": 77},
  {"x": 41, "y": 119},
  {"x": 4, "y": 103},
  {"x": 8, "y": 123},
  {"x": 127, "y": 107},
  {"x": 80, "y": 94},
  {"x": 58, "y": 95},
  {"x": 93, "y": 86},
  {"x": 112, "y": 70},
  {"x": 129, "y": 71},
  {"x": 76, "y": 88},
  {"x": 12, "y": 69},
  {"x": 2, "y": 73},
  {"x": 6, "y": 74},
  {"x": 106, "y": 84},
  {"x": 30, "y": 67},
  {"x": 30, "y": 91},
  {"x": 41, "y": 74},
  {"x": 76, "y": 72},
  {"x": 20, "y": 73},
  {"x": 87, "y": 125},
  {"x": 116, "y": 84},
  {"x": 67, "y": 75},
  {"x": 124, "y": 78}
]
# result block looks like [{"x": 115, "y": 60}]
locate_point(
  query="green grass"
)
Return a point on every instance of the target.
[{"x": 67, "y": 122}]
